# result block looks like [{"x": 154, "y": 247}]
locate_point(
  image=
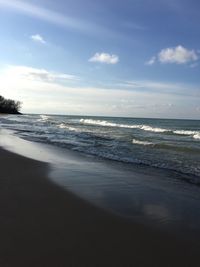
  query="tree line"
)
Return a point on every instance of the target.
[{"x": 9, "y": 106}]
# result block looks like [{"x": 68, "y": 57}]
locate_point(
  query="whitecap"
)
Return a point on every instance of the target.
[
  {"x": 185, "y": 132},
  {"x": 64, "y": 126},
  {"x": 138, "y": 142},
  {"x": 154, "y": 129}
]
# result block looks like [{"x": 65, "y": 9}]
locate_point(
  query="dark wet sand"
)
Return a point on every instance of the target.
[{"x": 43, "y": 225}]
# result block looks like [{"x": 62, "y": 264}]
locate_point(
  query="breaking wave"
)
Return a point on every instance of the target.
[
  {"x": 107, "y": 124},
  {"x": 110, "y": 124},
  {"x": 148, "y": 128},
  {"x": 194, "y": 134}
]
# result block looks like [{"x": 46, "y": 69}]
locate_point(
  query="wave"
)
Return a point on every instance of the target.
[
  {"x": 138, "y": 142},
  {"x": 106, "y": 123},
  {"x": 154, "y": 129},
  {"x": 185, "y": 132},
  {"x": 194, "y": 134},
  {"x": 166, "y": 146},
  {"x": 64, "y": 126},
  {"x": 43, "y": 118},
  {"x": 111, "y": 124}
]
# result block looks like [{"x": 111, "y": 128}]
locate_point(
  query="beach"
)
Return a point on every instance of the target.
[
  {"x": 41, "y": 224},
  {"x": 99, "y": 133}
]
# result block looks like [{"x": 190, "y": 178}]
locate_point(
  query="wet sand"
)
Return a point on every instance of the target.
[{"x": 42, "y": 224}]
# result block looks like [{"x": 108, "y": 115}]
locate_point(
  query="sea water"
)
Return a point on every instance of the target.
[{"x": 160, "y": 143}]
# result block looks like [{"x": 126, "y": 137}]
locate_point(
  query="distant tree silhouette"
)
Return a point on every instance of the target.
[{"x": 9, "y": 106}]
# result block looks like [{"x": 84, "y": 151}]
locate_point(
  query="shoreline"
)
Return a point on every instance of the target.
[
  {"x": 144, "y": 195},
  {"x": 42, "y": 224}
]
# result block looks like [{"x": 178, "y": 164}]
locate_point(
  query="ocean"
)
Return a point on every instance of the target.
[{"x": 160, "y": 143}]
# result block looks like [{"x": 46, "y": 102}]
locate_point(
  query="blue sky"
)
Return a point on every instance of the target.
[{"x": 138, "y": 58}]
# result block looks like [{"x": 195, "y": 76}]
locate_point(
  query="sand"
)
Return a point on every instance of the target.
[{"x": 42, "y": 224}]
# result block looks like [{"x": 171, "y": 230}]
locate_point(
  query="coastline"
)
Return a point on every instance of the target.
[{"x": 44, "y": 225}]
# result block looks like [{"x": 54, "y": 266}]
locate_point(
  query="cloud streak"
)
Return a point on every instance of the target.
[
  {"x": 151, "y": 84},
  {"x": 51, "y": 16},
  {"x": 63, "y": 20},
  {"x": 161, "y": 87},
  {"x": 104, "y": 58}
]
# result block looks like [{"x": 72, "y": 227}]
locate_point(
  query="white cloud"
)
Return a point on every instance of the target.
[
  {"x": 38, "y": 38},
  {"x": 104, "y": 58},
  {"x": 177, "y": 55},
  {"x": 17, "y": 73}
]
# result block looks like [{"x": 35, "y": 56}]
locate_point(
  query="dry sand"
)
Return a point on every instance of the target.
[{"x": 43, "y": 225}]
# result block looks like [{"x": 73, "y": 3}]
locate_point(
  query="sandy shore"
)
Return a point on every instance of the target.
[{"x": 43, "y": 225}]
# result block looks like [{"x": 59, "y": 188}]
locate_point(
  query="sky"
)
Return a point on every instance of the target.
[{"x": 130, "y": 58}]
